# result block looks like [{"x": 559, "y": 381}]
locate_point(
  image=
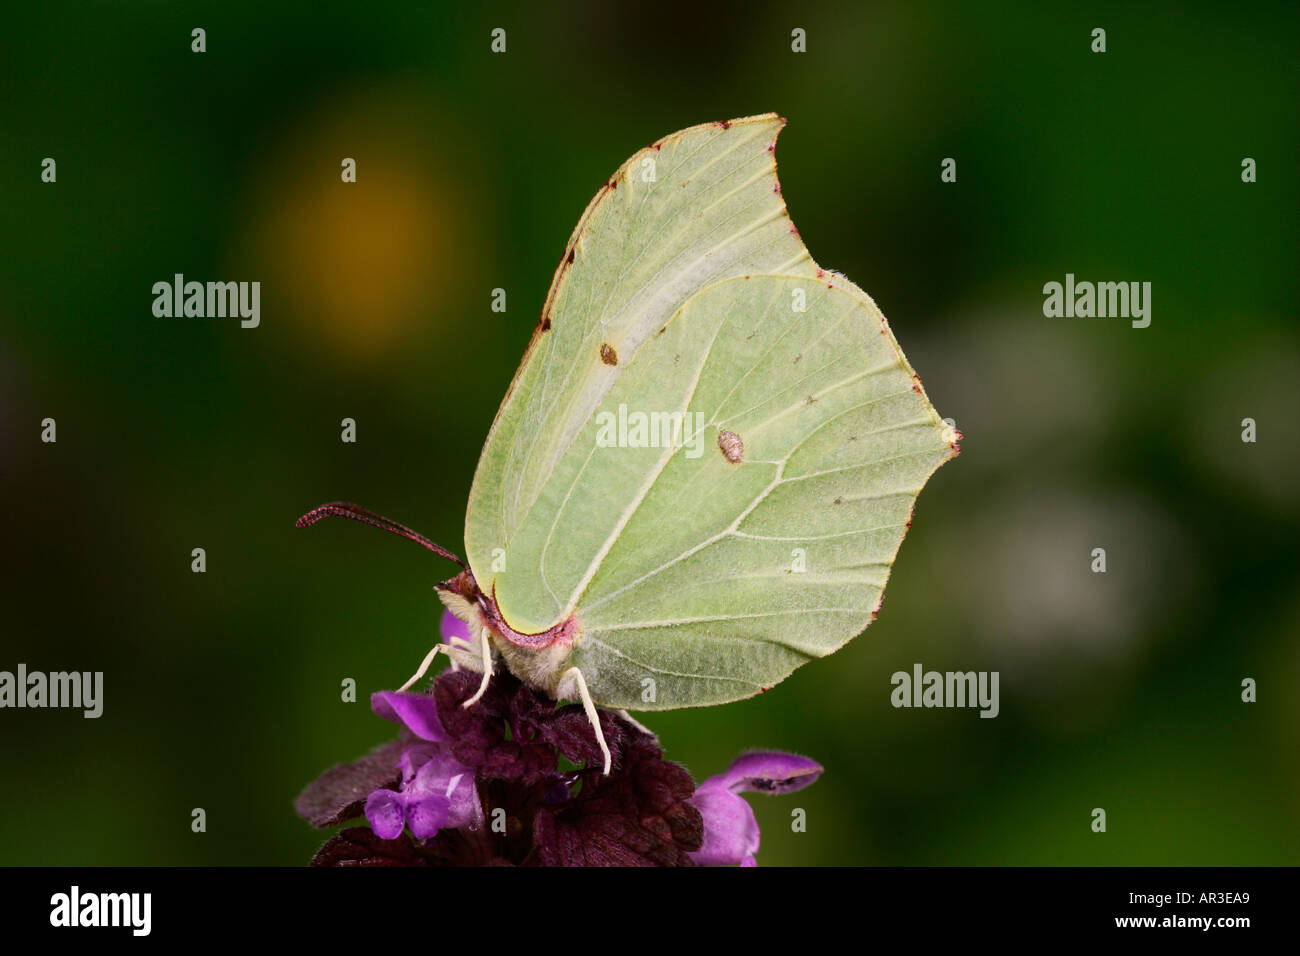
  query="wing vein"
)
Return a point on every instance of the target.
[
  {"x": 646, "y": 485},
  {"x": 678, "y": 622}
]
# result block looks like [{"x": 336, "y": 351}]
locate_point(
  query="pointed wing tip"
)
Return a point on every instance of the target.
[
  {"x": 757, "y": 119},
  {"x": 762, "y": 119},
  {"x": 769, "y": 117}
]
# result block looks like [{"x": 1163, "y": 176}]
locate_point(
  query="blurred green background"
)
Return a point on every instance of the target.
[{"x": 222, "y": 690}]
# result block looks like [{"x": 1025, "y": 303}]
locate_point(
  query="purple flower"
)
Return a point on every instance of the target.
[
  {"x": 535, "y": 768},
  {"x": 437, "y": 791},
  {"x": 730, "y": 827},
  {"x": 417, "y": 712}
]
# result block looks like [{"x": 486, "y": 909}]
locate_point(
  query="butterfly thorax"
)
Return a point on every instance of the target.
[{"x": 538, "y": 660}]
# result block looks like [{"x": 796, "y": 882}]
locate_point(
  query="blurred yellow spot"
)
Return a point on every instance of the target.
[{"x": 359, "y": 269}]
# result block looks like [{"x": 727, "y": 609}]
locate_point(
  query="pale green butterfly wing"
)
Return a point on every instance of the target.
[
  {"x": 696, "y": 207},
  {"x": 711, "y": 577},
  {"x": 717, "y": 578}
]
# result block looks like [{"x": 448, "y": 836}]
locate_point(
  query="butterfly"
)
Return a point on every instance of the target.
[{"x": 700, "y": 476}]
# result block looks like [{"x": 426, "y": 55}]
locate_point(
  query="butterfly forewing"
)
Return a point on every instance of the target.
[{"x": 699, "y": 206}]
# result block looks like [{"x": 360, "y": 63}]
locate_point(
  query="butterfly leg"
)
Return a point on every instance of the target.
[
  {"x": 424, "y": 665},
  {"x": 487, "y": 669},
  {"x": 571, "y": 681},
  {"x": 461, "y": 645}
]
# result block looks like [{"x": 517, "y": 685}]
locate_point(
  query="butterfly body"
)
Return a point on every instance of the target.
[{"x": 539, "y": 660}]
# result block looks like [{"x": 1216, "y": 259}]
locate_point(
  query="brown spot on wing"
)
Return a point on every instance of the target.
[
  {"x": 733, "y": 449},
  {"x": 607, "y": 354}
]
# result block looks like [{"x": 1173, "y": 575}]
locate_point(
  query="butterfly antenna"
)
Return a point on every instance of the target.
[{"x": 344, "y": 509}]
